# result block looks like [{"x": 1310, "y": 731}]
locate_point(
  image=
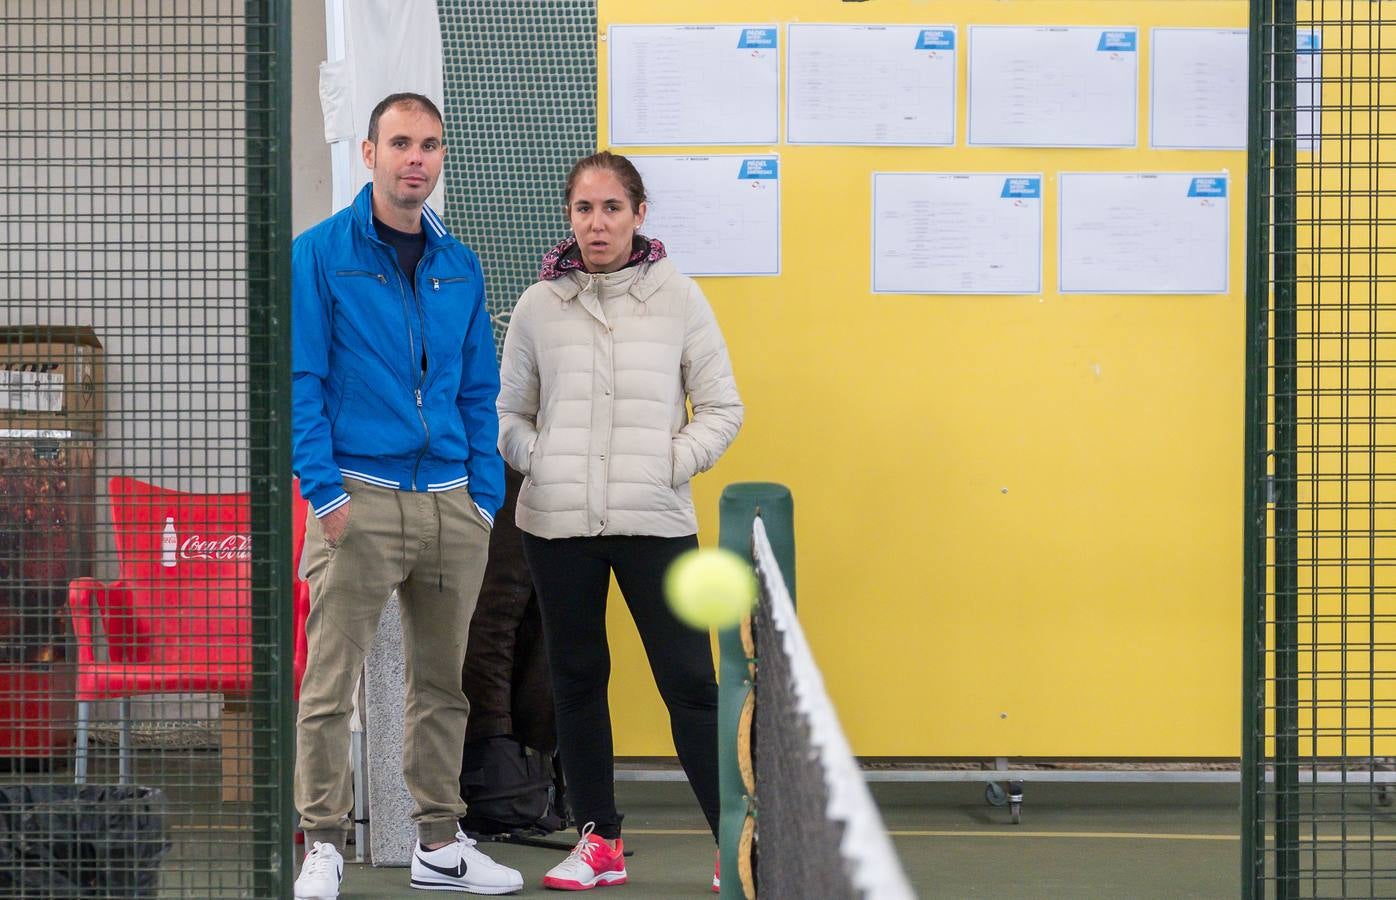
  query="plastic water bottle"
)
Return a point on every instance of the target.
[{"x": 169, "y": 543}]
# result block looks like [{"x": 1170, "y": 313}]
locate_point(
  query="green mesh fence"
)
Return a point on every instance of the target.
[
  {"x": 1320, "y": 625},
  {"x": 520, "y": 109},
  {"x": 145, "y": 587}
]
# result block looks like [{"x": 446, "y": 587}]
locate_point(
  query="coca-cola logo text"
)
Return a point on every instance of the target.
[{"x": 234, "y": 546}]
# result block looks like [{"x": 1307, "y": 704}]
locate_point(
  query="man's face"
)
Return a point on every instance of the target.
[{"x": 406, "y": 160}]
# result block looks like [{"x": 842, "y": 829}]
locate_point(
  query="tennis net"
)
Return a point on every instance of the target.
[{"x": 818, "y": 832}]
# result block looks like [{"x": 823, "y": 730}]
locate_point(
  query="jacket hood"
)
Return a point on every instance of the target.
[{"x": 566, "y": 256}]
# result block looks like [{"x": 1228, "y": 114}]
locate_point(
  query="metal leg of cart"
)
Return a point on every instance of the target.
[{"x": 1384, "y": 792}]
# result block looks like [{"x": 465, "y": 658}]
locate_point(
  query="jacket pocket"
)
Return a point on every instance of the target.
[
  {"x": 535, "y": 454},
  {"x": 362, "y": 273},
  {"x": 679, "y": 472},
  {"x": 438, "y": 282},
  {"x": 345, "y": 394}
]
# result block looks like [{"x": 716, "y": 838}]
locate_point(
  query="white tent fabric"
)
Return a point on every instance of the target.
[{"x": 376, "y": 48}]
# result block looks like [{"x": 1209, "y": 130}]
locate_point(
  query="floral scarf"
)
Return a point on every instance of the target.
[{"x": 567, "y": 256}]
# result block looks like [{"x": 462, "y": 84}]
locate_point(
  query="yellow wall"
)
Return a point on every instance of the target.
[{"x": 1018, "y": 519}]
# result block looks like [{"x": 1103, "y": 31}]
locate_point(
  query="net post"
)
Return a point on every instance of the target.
[
  {"x": 1255, "y": 601},
  {"x": 740, "y": 504},
  {"x": 268, "y": 173}
]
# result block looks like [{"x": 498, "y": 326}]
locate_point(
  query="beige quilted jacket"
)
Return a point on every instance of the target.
[{"x": 596, "y": 372}]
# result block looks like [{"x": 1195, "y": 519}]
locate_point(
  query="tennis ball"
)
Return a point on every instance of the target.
[{"x": 710, "y": 588}]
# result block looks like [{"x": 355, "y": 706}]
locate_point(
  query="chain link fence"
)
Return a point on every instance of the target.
[
  {"x": 146, "y": 592},
  {"x": 1320, "y": 624}
]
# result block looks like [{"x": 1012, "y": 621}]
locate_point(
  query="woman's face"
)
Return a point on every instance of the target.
[{"x": 603, "y": 220}]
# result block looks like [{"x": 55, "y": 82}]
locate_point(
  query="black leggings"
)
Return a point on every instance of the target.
[{"x": 572, "y": 577}]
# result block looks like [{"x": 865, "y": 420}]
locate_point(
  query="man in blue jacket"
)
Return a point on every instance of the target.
[{"x": 393, "y": 393}]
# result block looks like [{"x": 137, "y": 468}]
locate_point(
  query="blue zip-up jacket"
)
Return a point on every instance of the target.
[{"x": 361, "y": 405}]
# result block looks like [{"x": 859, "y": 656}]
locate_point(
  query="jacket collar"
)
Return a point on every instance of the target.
[
  {"x": 644, "y": 280},
  {"x": 431, "y": 223}
]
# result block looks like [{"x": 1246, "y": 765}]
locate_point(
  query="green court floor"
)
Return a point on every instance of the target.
[{"x": 1075, "y": 841}]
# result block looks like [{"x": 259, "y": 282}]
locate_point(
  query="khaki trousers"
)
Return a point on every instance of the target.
[{"x": 432, "y": 549}]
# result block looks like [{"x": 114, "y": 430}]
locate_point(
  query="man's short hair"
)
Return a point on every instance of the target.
[{"x": 403, "y": 99}]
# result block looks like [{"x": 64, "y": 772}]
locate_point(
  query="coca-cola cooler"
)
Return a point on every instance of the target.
[
  {"x": 47, "y": 499},
  {"x": 50, "y": 413}
]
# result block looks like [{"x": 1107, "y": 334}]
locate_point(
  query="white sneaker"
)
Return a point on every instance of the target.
[
  {"x": 321, "y": 874},
  {"x": 460, "y": 867}
]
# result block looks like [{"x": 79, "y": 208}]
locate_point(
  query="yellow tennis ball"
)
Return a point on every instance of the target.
[{"x": 710, "y": 588}]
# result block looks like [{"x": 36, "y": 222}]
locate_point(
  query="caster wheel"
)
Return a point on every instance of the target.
[
  {"x": 1016, "y": 811},
  {"x": 995, "y": 795}
]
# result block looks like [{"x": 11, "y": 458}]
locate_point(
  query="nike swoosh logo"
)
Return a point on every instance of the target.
[{"x": 457, "y": 872}]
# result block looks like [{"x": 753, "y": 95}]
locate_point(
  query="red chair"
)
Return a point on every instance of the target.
[
  {"x": 178, "y": 619},
  {"x": 300, "y": 590}
]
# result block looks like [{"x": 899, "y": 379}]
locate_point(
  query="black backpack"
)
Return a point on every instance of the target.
[{"x": 510, "y": 789}]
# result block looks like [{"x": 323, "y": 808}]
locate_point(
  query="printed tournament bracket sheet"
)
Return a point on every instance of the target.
[
  {"x": 693, "y": 84},
  {"x": 1053, "y": 87},
  {"x": 1199, "y": 81},
  {"x": 870, "y": 84},
  {"x": 1143, "y": 232},
  {"x": 957, "y": 233},
  {"x": 716, "y": 215}
]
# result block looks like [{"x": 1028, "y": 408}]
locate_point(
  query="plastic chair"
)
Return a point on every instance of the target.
[
  {"x": 178, "y": 619},
  {"x": 300, "y": 589}
]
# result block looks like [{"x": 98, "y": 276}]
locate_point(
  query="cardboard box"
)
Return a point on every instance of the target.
[
  {"x": 236, "y": 753},
  {"x": 51, "y": 379}
]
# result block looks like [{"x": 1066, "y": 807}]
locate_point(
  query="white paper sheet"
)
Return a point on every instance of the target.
[
  {"x": 1198, "y": 93},
  {"x": 1144, "y": 232},
  {"x": 1308, "y": 91},
  {"x": 870, "y": 84},
  {"x": 956, "y": 233},
  {"x": 1053, "y": 87},
  {"x": 693, "y": 84},
  {"x": 31, "y": 391},
  {"x": 717, "y": 215}
]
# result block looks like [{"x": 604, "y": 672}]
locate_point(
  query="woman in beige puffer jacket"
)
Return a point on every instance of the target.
[{"x": 602, "y": 360}]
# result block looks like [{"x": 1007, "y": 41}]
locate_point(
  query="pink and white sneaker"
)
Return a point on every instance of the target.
[{"x": 592, "y": 863}]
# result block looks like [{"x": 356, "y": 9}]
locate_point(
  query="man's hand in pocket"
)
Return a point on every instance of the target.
[{"x": 334, "y": 523}]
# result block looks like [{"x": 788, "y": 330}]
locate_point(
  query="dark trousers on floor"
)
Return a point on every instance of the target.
[{"x": 572, "y": 577}]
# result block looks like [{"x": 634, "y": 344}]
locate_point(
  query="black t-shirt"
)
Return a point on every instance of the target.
[{"x": 409, "y": 247}]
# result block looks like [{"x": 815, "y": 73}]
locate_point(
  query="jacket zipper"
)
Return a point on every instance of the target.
[
  {"x": 416, "y": 363},
  {"x": 382, "y": 279},
  {"x": 417, "y": 360}
]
